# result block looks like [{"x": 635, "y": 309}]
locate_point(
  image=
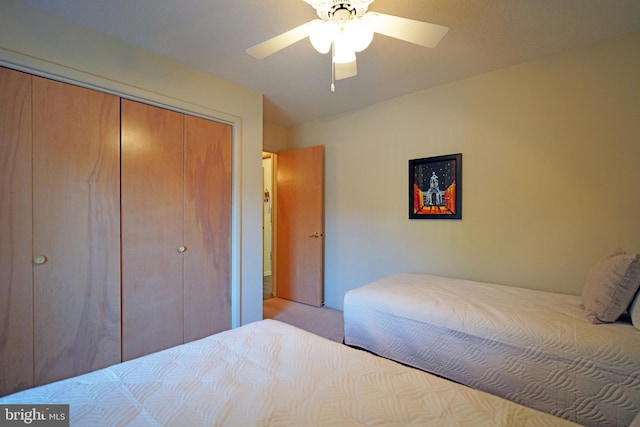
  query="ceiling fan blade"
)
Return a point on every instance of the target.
[
  {"x": 271, "y": 46},
  {"x": 412, "y": 31},
  {"x": 344, "y": 71}
]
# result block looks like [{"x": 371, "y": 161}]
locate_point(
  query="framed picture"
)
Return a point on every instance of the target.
[{"x": 435, "y": 187}]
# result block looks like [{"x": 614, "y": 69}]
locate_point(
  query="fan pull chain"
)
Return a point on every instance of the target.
[
  {"x": 333, "y": 70},
  {"x": 333, "y": 85}
]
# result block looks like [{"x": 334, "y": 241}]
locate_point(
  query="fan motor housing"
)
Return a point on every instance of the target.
[{"x": 327, "y": 9}]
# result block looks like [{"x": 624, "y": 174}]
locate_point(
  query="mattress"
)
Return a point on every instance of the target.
[
  {"x": 269, "y": 373},
  {"x": 531, "y": 347}
]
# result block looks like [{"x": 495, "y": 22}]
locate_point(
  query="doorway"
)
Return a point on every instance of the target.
[
  {"x": 268, "y": 290},
  {"x": 293, "y": 225}
]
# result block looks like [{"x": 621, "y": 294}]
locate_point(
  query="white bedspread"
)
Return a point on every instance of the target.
[
  {"x": 531, "y": 347},
  {"x": 271, "y": 374}
]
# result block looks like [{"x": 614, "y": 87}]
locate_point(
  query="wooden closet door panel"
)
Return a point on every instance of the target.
[
  {"x": 76, "y": 216},
  {"x": 207, "y": 225},
  {"x": 152, "y": 180},
  {"x": 16, "y": 280}
]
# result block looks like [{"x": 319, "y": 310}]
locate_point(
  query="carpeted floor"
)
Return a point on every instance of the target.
[{"x": 322, "y": 321}]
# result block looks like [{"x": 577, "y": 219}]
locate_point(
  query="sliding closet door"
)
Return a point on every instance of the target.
[
  {"x": 207, "y": 225},
  {"x": 152, "y": 235},
  {"x": 76, "y": 223},
  {"x": 16, "y": 282}
]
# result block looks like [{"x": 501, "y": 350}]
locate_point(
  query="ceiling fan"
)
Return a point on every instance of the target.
[{"x": 346, "y": 27}]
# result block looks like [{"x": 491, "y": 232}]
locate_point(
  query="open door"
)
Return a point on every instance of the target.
[{"x": 299, "y": 231}]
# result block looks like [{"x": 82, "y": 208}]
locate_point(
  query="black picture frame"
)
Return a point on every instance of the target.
[{"x": 435, "y": 187}]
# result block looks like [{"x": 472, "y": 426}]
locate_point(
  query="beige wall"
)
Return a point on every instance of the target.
[
  {"x": 274, "y": 138},
  {"x": 551, "y": 153},
  {"x": 40, "y": 43}
]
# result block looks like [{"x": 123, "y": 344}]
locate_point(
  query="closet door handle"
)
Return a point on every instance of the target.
[
  {"x": 316, "y": 235},
  {"x": 181, "y": 249},
  {"x": 40, "y": 259}
]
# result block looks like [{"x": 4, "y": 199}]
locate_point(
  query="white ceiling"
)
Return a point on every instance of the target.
[{"x": 484, "y": 35}]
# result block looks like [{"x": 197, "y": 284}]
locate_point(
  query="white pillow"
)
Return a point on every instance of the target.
[{"x": 610, "y": 286}]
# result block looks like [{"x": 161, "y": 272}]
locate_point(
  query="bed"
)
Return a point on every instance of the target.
[
  {"x": 532, "y": 347},
  {"x": 268, "y": 373}
]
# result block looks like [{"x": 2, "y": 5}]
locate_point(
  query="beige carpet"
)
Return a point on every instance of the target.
[{"x": 322, "y": 321}]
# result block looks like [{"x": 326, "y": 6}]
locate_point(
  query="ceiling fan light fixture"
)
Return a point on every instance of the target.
[
  {"x": 321, "y": 35},
  {"x": 343, "y": 53},
  {"x": 355, "y": 35},
  {"x": 360, "y": 33}
]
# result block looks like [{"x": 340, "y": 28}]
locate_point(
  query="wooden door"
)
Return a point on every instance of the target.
[
  {"x": 152, "y": 180},
  {"x": 207, "y": 228},
  {"x": 76, "y": 224},
  {"x": 300, "y": 225},
  {"x": 16, "y": 281}
]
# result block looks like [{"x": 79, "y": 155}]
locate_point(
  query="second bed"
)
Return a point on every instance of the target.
[{"x": 532, "y": 347}]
